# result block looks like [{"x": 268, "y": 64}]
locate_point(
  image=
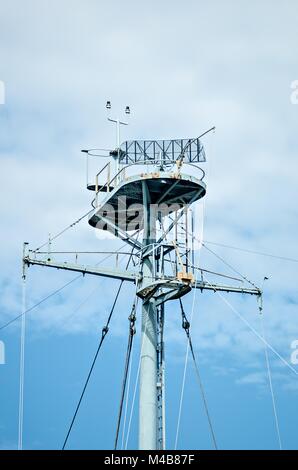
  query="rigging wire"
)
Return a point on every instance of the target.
[
  {"x": 181, "y": 395},
  {"x": 132, "y": 331},
  {"x": 187, "y": 346},
  {"x": 212, "y": 272},
  {"x": 80, "y": 305},
  {"x": 22, "y": 349},
  {"x": 261, "y": 253},
  {"x": 182, "y": 390},
  {"x": 186, "y": 327},
  {"x": 126, "y": 402},
  {"x": 202, "y": 243},
  {"x": 22, "y": 345},
  {"x": 266, "y": 347},
  {"x": 246, "y": 322},
  {"x": 64, "y": 230},
  {"x": 228, "y": 264},
  {"x": 55, "y": 292},
  {"x": 105, "y": 330},
  {"x": 22, "y": 368},
  {"x": 270, "y": 382},
  {"x": 104, "y": 333},
  {"x": 39, "y": 302},
  {"x": 130, "y": 345},
  {"x": 191, "y": 265},
  {"x": 136, "y": 385},
  {"x": 83, "y": 302}
]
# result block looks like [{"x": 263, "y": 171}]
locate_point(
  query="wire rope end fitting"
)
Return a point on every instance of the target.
[
  {"x": 104, "y": 331},
  {"x": 25, "y": 263}
]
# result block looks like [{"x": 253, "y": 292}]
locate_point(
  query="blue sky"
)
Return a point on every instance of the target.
[{"x": 182, "y": 67}]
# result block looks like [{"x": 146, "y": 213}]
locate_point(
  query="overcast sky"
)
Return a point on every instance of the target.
[{"x": 182, "y": 67}]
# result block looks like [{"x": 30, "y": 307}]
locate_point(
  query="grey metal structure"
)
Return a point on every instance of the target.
[
  {"x": 155, "y": 200},
  {"x": 149, "y": 150}
]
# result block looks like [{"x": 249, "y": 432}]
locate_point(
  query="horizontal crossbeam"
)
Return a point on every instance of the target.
[
  {"x": 222, "y": 288},
  {"x": 135, "y": 277},
  {"x": 104, "y": 272}
]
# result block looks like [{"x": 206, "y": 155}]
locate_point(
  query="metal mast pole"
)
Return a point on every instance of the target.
[
  {"x": 148, "y": 365},
  {"x": 161, "y": 425},
  {"x": 168, "y": 187}
]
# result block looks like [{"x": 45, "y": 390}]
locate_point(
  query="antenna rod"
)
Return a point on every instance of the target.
[
  {"x": 181, "y": 156},
  {"x": 207, "y": 132}
]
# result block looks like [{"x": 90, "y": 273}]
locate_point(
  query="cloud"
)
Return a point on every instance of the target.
[
  {"x": 255, "y": 378},
  {"x": 181, "y": 70}
]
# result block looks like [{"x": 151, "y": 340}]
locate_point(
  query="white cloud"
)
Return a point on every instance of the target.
[
  {"x": 182, "y": 69},
  {"x": 253, "y": 379}
]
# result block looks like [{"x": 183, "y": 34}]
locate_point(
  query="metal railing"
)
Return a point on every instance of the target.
[
  {"x": 119, "y": 177},
  {"x": 108, "y": 168}
]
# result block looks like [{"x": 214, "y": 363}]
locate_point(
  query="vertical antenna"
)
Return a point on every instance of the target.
[
  {"x": 118, "y": 140},
  {"x": 192, "y": 240},
  {"x": 22, "y": 352}
]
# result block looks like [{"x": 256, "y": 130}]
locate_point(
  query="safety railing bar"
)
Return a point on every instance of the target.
[{"x": 123, "y": 171}]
